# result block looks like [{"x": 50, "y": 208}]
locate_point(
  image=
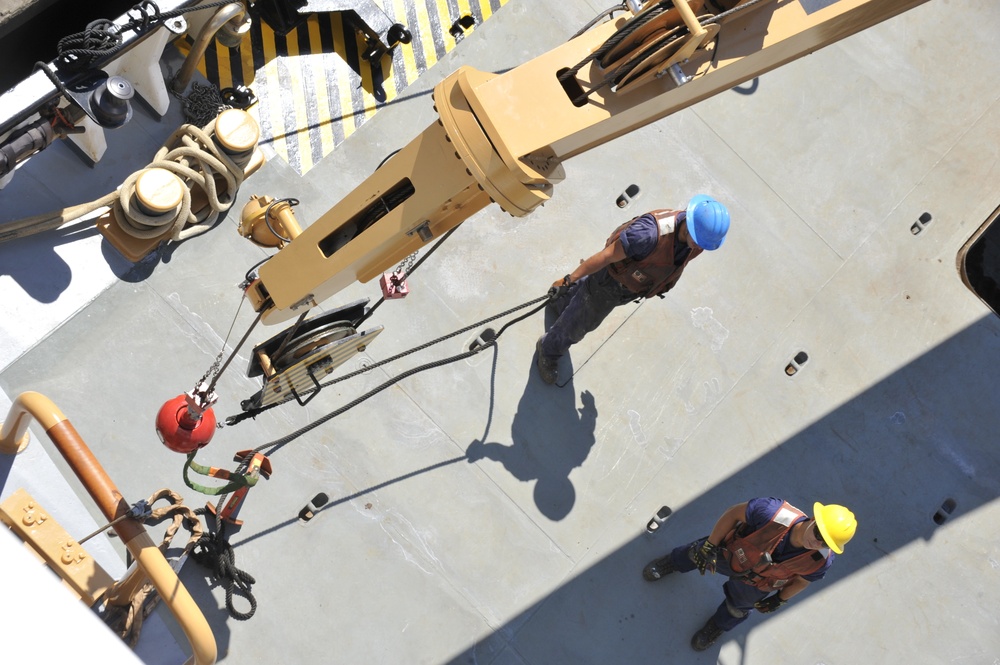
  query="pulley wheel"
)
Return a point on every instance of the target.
[
  {"x": 643, "y": 28},
  {"x": 309, "y": 343}
]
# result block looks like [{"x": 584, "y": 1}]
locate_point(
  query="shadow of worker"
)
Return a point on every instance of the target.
[{"x": 550, "y": 437}]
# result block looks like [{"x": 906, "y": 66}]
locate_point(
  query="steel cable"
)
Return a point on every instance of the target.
[{"x": 278, "y": 443}]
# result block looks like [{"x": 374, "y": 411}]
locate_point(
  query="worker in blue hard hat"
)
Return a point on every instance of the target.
[{"x": 644, "y": 257}]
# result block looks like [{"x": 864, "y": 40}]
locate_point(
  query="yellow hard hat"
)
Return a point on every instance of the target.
[{"x": 836, "y": 524}]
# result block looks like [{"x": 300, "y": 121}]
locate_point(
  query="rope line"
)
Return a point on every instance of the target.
[
  {"x": 215, "y": 553},
  {"x": 127, "y": 619},
  {"x": 196, "y": 159},
  {"x": 278, "y": 443},
  {"x": 103, "y": 38},
  {"x": 191, "y": 154}
]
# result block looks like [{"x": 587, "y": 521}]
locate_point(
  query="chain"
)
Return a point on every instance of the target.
[
  {"x": 203, "y": 103},
  {"x": 407, "y": 264},
  {"x": 411, "y": 266},
  {"x": 213, "y": 371},
  {"x": 206, "y": 386},
  {"x": 232, "y": 355}
]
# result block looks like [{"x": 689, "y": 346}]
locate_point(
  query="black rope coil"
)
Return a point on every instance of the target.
[
  {"x": 214, "y": 552},
  {"x": 103, "y": 38}
]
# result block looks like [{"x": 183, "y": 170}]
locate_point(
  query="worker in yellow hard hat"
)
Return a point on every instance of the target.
[{"x": 770, "y": 551}]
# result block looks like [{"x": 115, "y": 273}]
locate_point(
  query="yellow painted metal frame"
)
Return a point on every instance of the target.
[{"x": 56, "y": 547}]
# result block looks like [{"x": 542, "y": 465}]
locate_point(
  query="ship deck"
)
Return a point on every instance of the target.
[{"x": 477, "y": 515}]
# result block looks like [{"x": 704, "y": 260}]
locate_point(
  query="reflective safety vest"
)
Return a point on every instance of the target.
[
  {"x": 749, "y": 556},
  {"x": 656, "y": 273}
]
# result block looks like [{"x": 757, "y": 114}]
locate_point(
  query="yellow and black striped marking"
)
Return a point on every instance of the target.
[{"x": 313, "y": 86}]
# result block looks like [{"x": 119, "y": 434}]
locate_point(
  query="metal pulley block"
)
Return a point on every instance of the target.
[
  {"x": 293, "y": 362},
  {"x": 394, "y": 285}
]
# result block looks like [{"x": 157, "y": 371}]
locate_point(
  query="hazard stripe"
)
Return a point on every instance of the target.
[
  {"x": 321, "y": 94},
  {"x": 313, "y": 86}
]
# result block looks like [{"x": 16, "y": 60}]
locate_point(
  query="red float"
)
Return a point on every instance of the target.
[{"x": 183, "y": 425}]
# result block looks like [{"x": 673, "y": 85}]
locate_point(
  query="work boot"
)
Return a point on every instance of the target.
[
  {"x": 706, "y": 637},
  {"x": 654, "y": 570},
  {"x": 548, "y": 369}
]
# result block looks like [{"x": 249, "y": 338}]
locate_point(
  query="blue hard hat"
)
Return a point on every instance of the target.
[{"x": 707, "y": 221}]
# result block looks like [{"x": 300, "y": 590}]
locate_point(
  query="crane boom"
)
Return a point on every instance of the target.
[{"x": 504, "y": 137}]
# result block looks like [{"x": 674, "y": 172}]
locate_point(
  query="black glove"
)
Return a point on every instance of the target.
[
  {"x": 706, "y": 556},
  {"x": 769, "y": 604},
  {"x": 557, "y": 292}
]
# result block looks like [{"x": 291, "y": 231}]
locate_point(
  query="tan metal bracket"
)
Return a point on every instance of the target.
[{"x": 53, "y": 544}]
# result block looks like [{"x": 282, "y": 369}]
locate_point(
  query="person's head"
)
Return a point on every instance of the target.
[
  {"x": 706, "y": 221},
  {"x": 832, "y": 526}
]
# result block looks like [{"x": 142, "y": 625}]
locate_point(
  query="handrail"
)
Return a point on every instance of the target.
[
  {"x": 95, "y": 479},
  {"x": 233, "y": 12}
]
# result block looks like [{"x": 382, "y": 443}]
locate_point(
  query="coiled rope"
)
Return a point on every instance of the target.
[
  {"x": 126, "y": 620},
  {"x": 214, "y": 552},
  {"x": 103, "y": 38},
  {"x": 191, "y": 154}
]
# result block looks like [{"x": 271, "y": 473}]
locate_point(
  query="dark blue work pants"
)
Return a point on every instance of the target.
[
  {"x": 581, "y": 309},
  {"x": 740, "y": 597}
]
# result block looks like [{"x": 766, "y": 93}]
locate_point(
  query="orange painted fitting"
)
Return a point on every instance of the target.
[
  {"x": 100, "y": 487},
  {"x": 284, "y": 227}
]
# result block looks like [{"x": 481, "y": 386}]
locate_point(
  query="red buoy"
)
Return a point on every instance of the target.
[{"x": 183, "y": 426}]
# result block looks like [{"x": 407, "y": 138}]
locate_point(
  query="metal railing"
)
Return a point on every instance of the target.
[
  {"x": 95, "y": 479},
  {"x": 229, "y": 19}
]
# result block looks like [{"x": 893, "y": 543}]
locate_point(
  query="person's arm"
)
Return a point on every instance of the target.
[
  {"x": 728, "y": 522},
  {"x": 605, "y": 257},
  {"x": 706, "y": 556},
  {"x": 784, "y": 594},
  {"x": 796, "y": 586}
]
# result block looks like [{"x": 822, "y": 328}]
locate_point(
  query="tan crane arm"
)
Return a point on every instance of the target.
[{"x": 504, "y": 137}]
